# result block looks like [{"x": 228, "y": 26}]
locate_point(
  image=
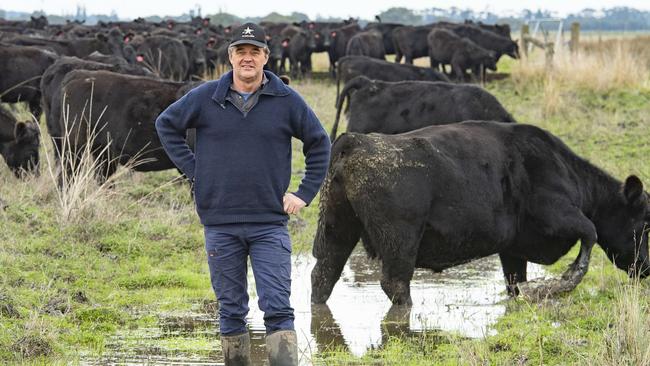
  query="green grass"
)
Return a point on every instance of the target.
[{"x": 66, "y": 289}]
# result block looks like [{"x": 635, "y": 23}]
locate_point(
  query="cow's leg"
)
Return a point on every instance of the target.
[
  {"x": 294, "y": 67},
  {"x": 399, "y": 248},
  {"x": 569, "y": 222},
  {"x": 433, "y": 62},
  {"x": 398, "y": 57},
  {"x": 397, "y": 272},
  {"x": 514, "y": 270},
  {"x": 308, "y": 67},
  {"x": 338, "y": 233},
  {"x": 580, "y": 265},
  {"x": 329, "y": 265},
  {"x": 458, "y": 71}
]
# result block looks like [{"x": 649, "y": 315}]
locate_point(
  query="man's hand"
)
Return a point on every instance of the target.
[{"x": 292, "y": 204}]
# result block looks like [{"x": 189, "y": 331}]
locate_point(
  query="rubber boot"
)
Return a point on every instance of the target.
[
  {"x": 282, "y": 348},
  {"x": 236, "y": 350}
]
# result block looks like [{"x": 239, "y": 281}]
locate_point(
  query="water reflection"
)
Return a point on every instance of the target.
[{"x": 358, "y": 316}]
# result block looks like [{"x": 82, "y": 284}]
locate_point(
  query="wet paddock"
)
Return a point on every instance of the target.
[{"x": 464, "y": 300}]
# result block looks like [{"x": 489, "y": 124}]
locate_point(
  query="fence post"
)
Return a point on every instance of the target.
[
  {"x": 525, "y": 30},
  {"x": 575, "y": 37}
]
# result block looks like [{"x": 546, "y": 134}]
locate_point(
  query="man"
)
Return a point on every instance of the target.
[{"x": 240, "y": 173}]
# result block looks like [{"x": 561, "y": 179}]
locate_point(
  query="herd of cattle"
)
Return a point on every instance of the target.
[{"x": 435, "y": 189}]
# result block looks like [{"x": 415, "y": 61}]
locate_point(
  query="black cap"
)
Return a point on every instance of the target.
[{"x": 249, "y": 33}]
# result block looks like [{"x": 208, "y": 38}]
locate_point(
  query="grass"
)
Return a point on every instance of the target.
[{"x": 68, "y": 286}]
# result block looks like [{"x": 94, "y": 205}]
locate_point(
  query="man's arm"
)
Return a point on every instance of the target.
[
  {"x": 316, "y": 148},
  {"x": 172, "y": 125}
]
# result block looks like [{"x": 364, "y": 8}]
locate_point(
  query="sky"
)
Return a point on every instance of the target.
[{"x": 333, "y": 8}]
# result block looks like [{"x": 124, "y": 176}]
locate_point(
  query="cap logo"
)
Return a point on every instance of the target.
[{"x": 248, "y": 32}]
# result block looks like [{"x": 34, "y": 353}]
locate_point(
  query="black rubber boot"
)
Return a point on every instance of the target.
[
  {"x": 236, "y": 350},
  {"x": 282, "y": 348}
]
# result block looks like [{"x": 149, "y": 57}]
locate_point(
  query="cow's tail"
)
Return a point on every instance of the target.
[
  {"x": 338, "y": 82},
  {"x": 354, "y": 84}
]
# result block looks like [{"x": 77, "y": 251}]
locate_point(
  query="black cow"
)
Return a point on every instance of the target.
[
  {"x": 163, "y": 55},
  {"x": 321, "y": 33},
  {"x": 297, "y": 46},
  {"x": 350, "y": 67},
  {"x": 21, "y": 68},
  {"x": 488, "y": 40},
  {"x": 339, "y": 38},
  {"x": 274, "y": 40},
  {"x": 51, "y": 84},
  {"x": 124, "y": 120},
  {"x": 19, "y": 143},
  {"x": 81, "y": 47},
  {"x": 446, "y": 47},
  {"x": 445, "y": 195},
  {"x": 411, "y": 42},
  {"x": 386, "y": 107},
  {"x": 368, "y": 43},
  {"x": 196, "y": 47},
  {"x": 500, "y": 29},
  {"x": 386, "y": 30}
]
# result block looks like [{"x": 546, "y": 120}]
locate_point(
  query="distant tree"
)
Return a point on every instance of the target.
[
  {"x": 224, "y": 18},
  {"x": 320, "y": 18},
  {"x": 279, "y": 18},
  {"x": 400, "y": 15},
  {"x": 57, "y": 19},
  {"x": 153, "y": 19},
  {"x": 299, "y": 16}
]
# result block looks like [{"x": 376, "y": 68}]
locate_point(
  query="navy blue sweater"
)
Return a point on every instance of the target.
[{"x": 242, "y": 164}]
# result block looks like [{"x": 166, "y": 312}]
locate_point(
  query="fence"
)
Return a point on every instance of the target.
[{"x": 529, "y": 40}]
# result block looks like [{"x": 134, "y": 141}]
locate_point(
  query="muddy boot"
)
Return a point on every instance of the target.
[
  {"x": 236, "y": 350},
  {"x": 282, "y": 348}
]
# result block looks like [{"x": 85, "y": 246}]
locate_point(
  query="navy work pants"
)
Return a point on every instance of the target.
[{"x": 228, "y": 247}]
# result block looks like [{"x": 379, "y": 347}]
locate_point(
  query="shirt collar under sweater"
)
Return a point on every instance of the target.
[{"x": 274, "y": 87}]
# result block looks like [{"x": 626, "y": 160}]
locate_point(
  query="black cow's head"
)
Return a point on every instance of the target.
[
  {"x": 623, "y": 229},
  {"x": 277, "y": 46},
  {"x": 195, "y": 49},
  {"x": 513, "y": 50},
  {"x": 21, "y": 154}
]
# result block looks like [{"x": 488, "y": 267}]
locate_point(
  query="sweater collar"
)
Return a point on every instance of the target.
[{"x": 274, "y": 87}]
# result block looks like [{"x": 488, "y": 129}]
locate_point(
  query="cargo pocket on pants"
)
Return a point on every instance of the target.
[{"x": 285, "y": 242}]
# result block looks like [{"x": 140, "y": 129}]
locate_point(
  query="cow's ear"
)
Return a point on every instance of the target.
[
  {"x": 633, "y": 191},
  {"x": 20, "y": 131}
]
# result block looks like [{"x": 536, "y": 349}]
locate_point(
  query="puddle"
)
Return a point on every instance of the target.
[{"x": 358, "y": 316}]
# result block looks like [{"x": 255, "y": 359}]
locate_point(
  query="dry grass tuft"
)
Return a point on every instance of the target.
[
  {"x": 599, "y": 66},
  {"x": 627, "y": 342},
  {"x": 77, "y": 173}
]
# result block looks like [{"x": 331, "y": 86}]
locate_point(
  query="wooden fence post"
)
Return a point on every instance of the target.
[
  {"x": 575, "y": 37},
  {"x": 525, "y": 30}
]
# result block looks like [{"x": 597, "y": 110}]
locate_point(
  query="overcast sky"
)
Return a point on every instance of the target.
[{"x": 334, "y": 8}]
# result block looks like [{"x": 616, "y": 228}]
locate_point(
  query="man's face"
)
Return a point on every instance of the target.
[{"x": 248, "y": 61}]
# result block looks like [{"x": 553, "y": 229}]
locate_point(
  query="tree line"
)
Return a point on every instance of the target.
[{"x": 614, "y": 19}]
